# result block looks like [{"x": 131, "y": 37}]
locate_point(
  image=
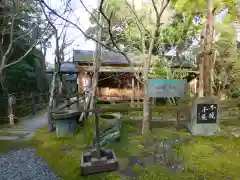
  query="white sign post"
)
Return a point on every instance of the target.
[{"x": 11, "y": 102}]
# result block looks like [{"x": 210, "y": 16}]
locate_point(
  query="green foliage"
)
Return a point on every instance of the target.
[
  {"x": 160, "y": 68},
  {"x": 124, "y": 26},
  {"x": 138, "y": 26},
  {"x": 179, "y": 33},
  {"x": 29, "y": 74},
  {"x": 199, "y": 7},
  {"x": 226, "y": 65}
]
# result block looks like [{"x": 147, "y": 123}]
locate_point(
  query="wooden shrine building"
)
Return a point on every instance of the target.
[{"x": 116, "y": 77}]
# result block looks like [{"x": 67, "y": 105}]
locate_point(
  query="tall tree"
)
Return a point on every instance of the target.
[
  {"x": 61, "y": 43},
  {"x": 20, "y": 34}
]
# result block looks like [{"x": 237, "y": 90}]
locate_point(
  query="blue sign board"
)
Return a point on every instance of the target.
[{"x": 166, "y": 88}]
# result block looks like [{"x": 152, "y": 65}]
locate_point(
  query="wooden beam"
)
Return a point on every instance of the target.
[
  {"x": 138, "y": 94},
  {"x": 133, "y": 92}
]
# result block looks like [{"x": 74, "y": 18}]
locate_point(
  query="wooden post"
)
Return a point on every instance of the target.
[
  {"x": 11, "y": 101},
  {"x": 97, "y": 135},
  {"x": 50, "y": 119},
  {"x": 47, "y": 97},
  {"x": 67, "y": 100},
  {"x": 33, "y": 104},
  {"x": 178, "y": 115},
  {"x": 40, "y": 98},
  {"x": 26, "y": 98},
  {"x": 150, "y": 113},
  {"x": 78, "y": 105},
  {"x": 85, "y": 106},
  {"x": 11, "y": 115},
  {"x": 138, "y": 94},
  {"x": 133, "y": 92},
  {"x": 54, "y": 103}
]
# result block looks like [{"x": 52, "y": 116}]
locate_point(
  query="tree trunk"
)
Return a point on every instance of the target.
[
  {"x": 238, "y": 7},
  {"x": 97, "y": 63},
  {"x": 208, "y": 53},
  {"x": 145, "y": 123},
  {"x": 50, "y": 105},
  {"x": 87, "y": 101},
  {"x": 147, "y": 62},
  {"x": 94, "y": 87},
  {"x": 200, "y": 81}
]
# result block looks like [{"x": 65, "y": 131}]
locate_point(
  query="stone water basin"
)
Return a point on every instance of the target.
[{"x": 66, "y": 123}]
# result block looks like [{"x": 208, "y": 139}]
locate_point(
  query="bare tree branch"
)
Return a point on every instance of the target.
[
  {"x": 147, "y": 62},
  {"x": 89, "y": 37},
  {"x": 27, "y": 52},
  {"x": 112, "y": 39},
  {"x": 138, "y": 22},
  {"x": 136, "y": 16},
  {"x": 157, "y": 26},
  {"x": 85, "y": 7},
  {"x": 26, "y": 34},
  {"x": 75, "y": 25},
  {"x": 4, "y": 58},
  {"x": 155, "y": 7}
]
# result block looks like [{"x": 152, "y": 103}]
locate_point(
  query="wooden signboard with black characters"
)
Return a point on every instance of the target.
[{"x": 207, "y": 113}]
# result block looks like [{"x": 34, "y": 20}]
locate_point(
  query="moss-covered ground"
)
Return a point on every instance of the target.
[
  {"x": 211, "y": 158},
  {"x": 7, "y": 146}
]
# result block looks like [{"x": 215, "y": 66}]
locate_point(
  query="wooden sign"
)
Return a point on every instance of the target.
[
  {"x": 166, "y": 88},
  {"x": 207, "y": 113},
  {"x": 11, "y": 99}
]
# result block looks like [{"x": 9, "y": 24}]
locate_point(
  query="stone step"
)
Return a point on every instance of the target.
[
  {"x": 13, "y": 131},
  {"x": 7, "y": 138},
  {"x": 28, "y": 136}
]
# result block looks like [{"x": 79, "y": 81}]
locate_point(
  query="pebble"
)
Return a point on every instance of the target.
[{"x": 23, "y": 164}]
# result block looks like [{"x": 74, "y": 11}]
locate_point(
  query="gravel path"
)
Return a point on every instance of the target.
[{"x": 23, "y": 164}]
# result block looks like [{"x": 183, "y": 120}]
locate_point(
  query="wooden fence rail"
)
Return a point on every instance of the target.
[
  {"x": 22, "y": 106},
  {"x": 68, "y": 102}
]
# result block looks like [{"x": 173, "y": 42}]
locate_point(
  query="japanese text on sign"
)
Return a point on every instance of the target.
[
  {"x": 166, "y": 87},
  {"x": 207, "y": 113}
]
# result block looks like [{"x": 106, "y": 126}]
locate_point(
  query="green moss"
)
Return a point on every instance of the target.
[
  {"x": 209, "y": 157},
  {"x": 6, "y": 146},
  {"x": 124, "y": 108},
  {"x": 158, "y": 173},
  {"x": 217, "y": 155},
  {"x": 65, "y": 163},
  {"x": 89, "y": 128}
]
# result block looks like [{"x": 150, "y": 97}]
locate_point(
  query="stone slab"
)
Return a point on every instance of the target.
[
  {"x": 7, "y": 138},
  {"x": 203, "y": 129},
  {"x": 17, "y": 132},
  {"x": 29, "y": 136}
]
